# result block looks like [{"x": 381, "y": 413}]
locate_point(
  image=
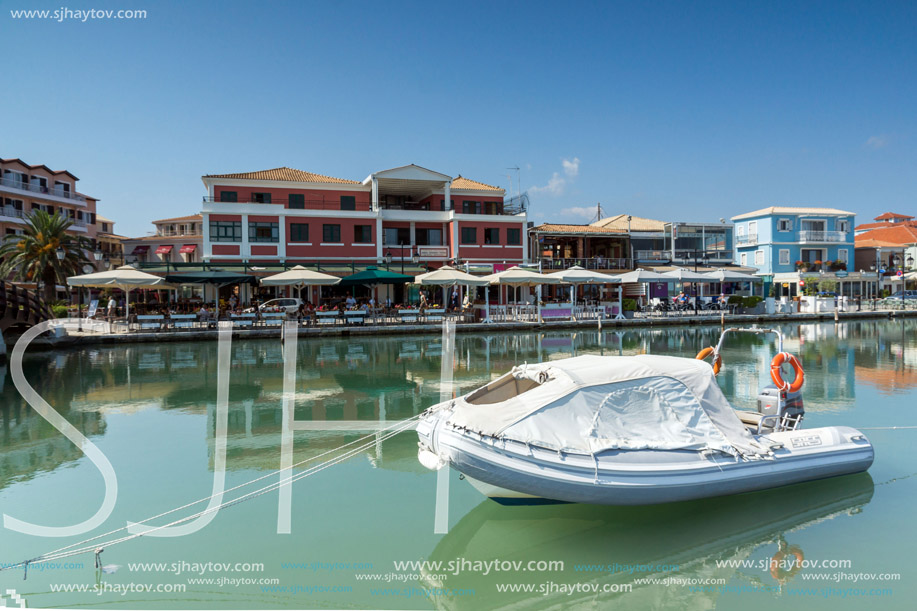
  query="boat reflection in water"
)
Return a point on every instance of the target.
[{"x": 610, "y": 549}]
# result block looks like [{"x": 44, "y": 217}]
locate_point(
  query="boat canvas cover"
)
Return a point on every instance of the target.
[{"x": 589, "y": 404}]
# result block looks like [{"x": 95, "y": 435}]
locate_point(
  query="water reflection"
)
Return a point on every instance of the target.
[
  {"x": 379, "y": 380},
  {"x": 682, "y": 541}
]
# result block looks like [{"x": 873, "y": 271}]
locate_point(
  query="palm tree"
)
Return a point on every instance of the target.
[{"x": 33, "y": 256}]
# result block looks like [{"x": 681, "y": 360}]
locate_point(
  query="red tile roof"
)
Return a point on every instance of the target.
[
  {"x": 897, "y": 234},
  {"x": 193, "y": 217},
  {"x": 885, "y": 224},
  {"x": 892, "y": 215},
  {"x": 461, "y": 182},
  {"x": 285, "y": 174}
]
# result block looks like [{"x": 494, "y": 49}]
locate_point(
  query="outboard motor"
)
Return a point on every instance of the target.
[{"x": 784, "y": 408}]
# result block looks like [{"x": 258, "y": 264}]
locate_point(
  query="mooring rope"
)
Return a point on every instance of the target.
[
  {"x": 368, "y": 441},
  {"x": 251, "y": 495}
]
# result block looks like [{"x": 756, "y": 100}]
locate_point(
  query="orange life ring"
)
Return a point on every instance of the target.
[
  {"x": 717, "y": 362},
  {"x": 778, "y": 571},
  {"x": 777, "y": 375}
]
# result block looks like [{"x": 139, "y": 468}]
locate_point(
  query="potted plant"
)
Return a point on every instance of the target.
[
  {"x": 802, "y": 266},
  {"x": 817, "y": 266},
  {"x": 629, "y": 306}
]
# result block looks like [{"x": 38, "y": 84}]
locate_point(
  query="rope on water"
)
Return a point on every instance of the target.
[
  {"x": 883, "y": 428},
  {"x": 251, "y": 495},
  {"x": 368, "y": 442}
]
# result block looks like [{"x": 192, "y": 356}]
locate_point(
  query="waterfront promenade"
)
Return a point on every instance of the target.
[{"x": 75, "y": 338}]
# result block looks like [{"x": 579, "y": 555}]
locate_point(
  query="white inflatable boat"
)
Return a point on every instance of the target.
[{"x": 635, "y": 430}]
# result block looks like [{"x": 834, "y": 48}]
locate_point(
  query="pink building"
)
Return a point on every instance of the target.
[
  {"x": 24, "y": 188},
  {"x": 175, "y": 240},
  {"x": 287, "y": 215}
]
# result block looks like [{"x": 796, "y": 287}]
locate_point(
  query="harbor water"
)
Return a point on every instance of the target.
[{"x": 362, "y": 531}]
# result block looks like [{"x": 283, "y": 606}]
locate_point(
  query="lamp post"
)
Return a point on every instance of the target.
[{"x": 388, "y": 259}]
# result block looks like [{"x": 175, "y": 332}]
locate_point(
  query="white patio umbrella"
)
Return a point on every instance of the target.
[
  {"x": 726, "y": 275},
  {"x": 124, "y": 278},
  {"x": 517, "y": 276},
  {"x": 577, "y": 275},
  {"x": 449, "y": 276},
  {"x": 685, "y": 275},
  {"x": 299, "y": 277},
  {"x": 642, "y": 276}
]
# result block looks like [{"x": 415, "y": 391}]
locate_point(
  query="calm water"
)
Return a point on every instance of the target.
[{"x": 151, "y": 410}]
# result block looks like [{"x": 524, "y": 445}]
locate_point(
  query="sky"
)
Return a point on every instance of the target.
[{"x": 684, "y": 111}]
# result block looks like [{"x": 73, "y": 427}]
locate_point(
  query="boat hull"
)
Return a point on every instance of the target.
[{"x": 514, "y": 473}]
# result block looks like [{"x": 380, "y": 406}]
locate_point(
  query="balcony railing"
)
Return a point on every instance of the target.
[
  {"x": 508, "y": 208},
  {"x": 822, "y": 236},
  {"x": 747, "y": 239},
  {"x": 26, "y": 186},
  {"x": 9, "y": 211},
  {"x": 597, "y": 263},
  {"x": 178, "y": 234},
  {"x": 683, "y": 256},
  {"x": 309, "y": 204}
]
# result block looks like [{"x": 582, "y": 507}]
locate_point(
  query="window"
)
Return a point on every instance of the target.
[
  {"x": 843, "y": 255},
  {"x": 348, "y": 202},
  {"x": 759, "y": 257},
  {"x": 513, "y": 236},
  {"x": 263, "y": 232},
  {"x": 442, "y": 204},
  {"x": 225, "y": 231},
  {"x": 429, "y": 237},
  {"x": 784, "y": 256},
  {"x": 299, "y": 232},
  {"x": 493, "y": 207},
  {"x": 229, "y": 196},
  {"x": 469, "y": 207},
  {"x": 362, "y": 234},
  {"x": 744, "y": 259},
  {"x": 752, "y": 228},
  {"x": 785, "y": 225},
  {"x": 392, "y": 236},
  {"x": 331, "y": 234},
  {"x": 297, "y": 201},
  {"x": 843, "y": 226},
  {"x": 491, "y": 236},
  {"x": 740, "y": 230},
  {"x": 469, "y": 235},
  {"x": 261, "y": 198}
]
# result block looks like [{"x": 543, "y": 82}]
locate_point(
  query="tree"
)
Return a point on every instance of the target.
[{"x": 32, "y": 257}]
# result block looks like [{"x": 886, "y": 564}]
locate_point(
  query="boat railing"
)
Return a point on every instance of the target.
[{"x": 756, "y": 330}]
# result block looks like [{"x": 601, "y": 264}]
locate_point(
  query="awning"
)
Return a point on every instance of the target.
[
  {"x": 187, "y": 248},
  {"x": 164, "y": 249},
  {"x": 140, "y": 249}
]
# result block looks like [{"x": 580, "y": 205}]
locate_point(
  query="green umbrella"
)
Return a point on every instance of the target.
[
  {"x": 217, "y": 277},
  {"x": 373, "y": 275}
]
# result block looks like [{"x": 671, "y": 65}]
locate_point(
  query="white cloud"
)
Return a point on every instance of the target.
[
  {"x": 557, "y": 184},
  {"x": 877, "y": 142},
  {"x": 571, "y": 168},
  {"x": 587, "y": 212}
]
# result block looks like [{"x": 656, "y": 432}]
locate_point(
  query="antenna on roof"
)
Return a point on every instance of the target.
[
  {"x": 518, "y": 179},
  {"x": 598, "y": 213}
]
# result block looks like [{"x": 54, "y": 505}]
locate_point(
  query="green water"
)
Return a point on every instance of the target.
[{"x": 151, "y": 410}]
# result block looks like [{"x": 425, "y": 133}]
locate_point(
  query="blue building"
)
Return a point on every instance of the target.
[{"x": 786, "y": 242}]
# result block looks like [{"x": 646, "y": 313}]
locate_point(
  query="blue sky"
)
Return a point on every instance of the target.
[{"x": 677, "y": 111}]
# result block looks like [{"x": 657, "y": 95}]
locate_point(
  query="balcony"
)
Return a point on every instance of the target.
[
  {"x": 52, "y": 191},
  {"x": 309, "y": 204},
  {"x": 596, "y": 263},
  {"x": 180, "y": 234},
  {"x": 822, "y": 236},
  {"x": 747, "y": 240},
  {"x": 11, "y": 212}
]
